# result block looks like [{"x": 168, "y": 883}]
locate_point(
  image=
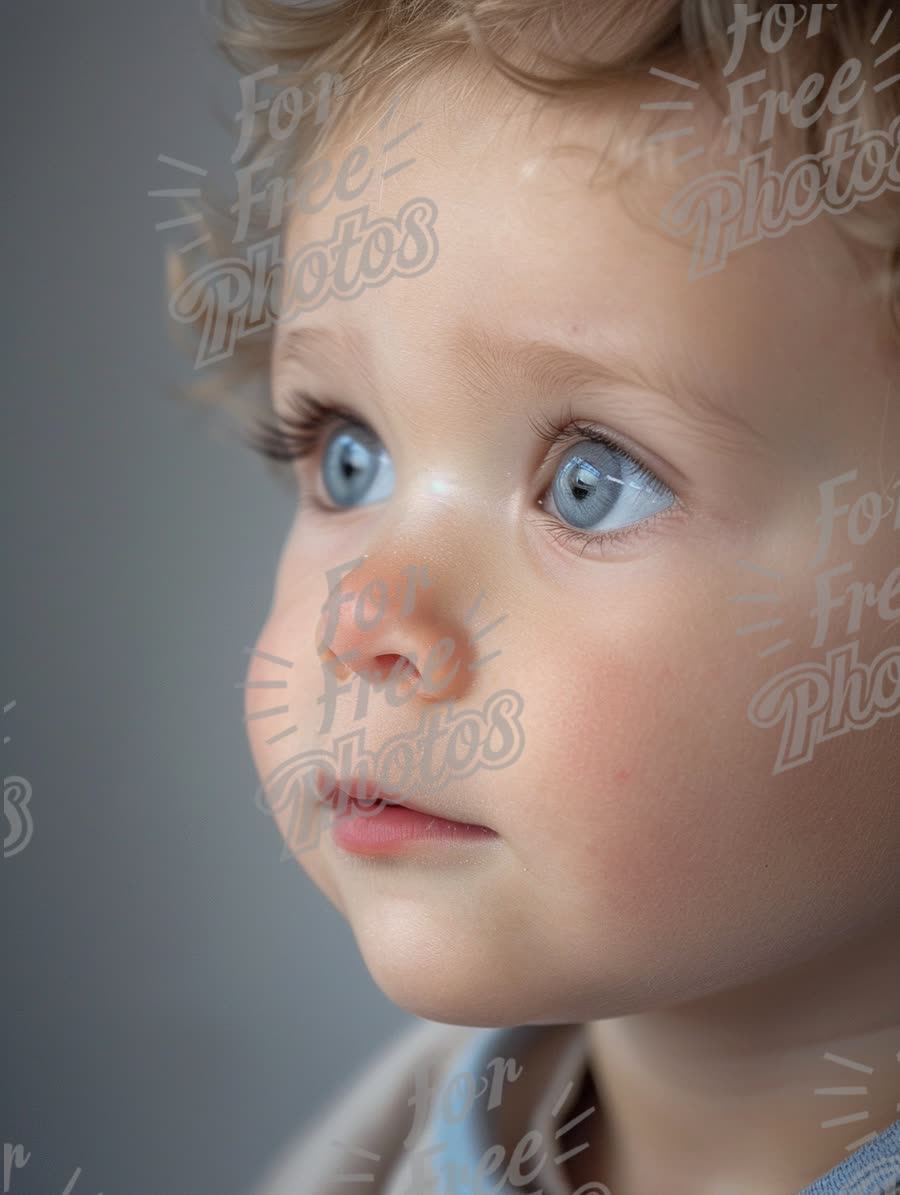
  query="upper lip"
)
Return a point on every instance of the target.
[{"x": 370, "y": 791}]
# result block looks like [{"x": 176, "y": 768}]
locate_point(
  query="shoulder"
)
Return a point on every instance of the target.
[{"x": 369, "y": 1117}]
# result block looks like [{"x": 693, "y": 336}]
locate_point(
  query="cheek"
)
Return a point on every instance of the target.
[
  {"x": 636, "y": 849},
  {"x": 670, "y": 844},
  {"x": 282, "y": 681},
  {"x": 653, "y": 752},
  {"x": 270, "y": 685}
]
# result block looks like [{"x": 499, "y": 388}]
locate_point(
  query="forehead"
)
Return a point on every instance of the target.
[{"x": 534, "y": 238}]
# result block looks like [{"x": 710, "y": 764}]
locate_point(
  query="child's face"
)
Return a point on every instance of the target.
[{"x": 644, "y": 849}]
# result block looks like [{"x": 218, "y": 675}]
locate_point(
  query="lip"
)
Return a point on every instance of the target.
[
  {"x": 360, "y": 795},
  {"x": 365, "y": 829}
]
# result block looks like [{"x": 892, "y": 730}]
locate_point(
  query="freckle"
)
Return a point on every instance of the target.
[{"x": 622, "y": 775}]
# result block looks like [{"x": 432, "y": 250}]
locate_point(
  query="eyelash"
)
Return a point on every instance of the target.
[{"x": 296, "y": 435}]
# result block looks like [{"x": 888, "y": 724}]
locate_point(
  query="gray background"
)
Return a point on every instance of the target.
[{"x": 176, "y": 1000}]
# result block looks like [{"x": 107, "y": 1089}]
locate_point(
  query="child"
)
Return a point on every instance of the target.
[{"x": 609, "y": 796}]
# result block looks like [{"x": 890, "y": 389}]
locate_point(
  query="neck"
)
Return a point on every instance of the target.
[{"x": 730, "y": 1093}]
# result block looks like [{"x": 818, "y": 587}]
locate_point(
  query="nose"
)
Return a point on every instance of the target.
[{"x": 385, "y": 617}]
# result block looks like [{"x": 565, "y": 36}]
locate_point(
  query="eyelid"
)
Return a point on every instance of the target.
[
  {"x": 631, "y": 406},
  {"x": 570, "y": 430},
  {"x": 607, "y": 544}
]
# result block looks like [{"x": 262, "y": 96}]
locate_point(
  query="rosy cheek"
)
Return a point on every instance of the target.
[{"x": 645, "y": 781}]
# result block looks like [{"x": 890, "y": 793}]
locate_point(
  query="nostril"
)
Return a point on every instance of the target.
[{"x": 402, "y": 667}]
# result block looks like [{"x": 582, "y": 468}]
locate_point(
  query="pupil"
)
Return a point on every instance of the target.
[
  {"x": 349, "y": 461},
  {"x": 584, "y": 483},
  {"x": 585, "y": 488}
]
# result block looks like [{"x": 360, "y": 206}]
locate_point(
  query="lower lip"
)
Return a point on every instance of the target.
[{"x": 394, "y": 828}]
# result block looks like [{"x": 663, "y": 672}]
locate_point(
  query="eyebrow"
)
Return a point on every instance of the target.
[
  {"x": 556, "y": 368},
  {"x": 488, "y": 359}
]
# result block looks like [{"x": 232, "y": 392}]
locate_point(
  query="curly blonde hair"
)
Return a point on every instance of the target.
[{"x": 376, "y": 49}]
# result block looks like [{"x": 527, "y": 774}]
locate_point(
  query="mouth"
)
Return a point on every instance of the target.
[{"x": 370, "y": 821}]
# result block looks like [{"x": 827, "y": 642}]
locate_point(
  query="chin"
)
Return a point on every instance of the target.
[{"x": 438, "y": 990}]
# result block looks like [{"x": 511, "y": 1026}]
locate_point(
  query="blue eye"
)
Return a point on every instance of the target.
[
  {"x": 600, "y": 487},
  {"x": 356, "y": 468}
]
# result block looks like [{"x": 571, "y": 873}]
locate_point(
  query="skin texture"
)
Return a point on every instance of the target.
[{"x": 720, "y": 926}]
